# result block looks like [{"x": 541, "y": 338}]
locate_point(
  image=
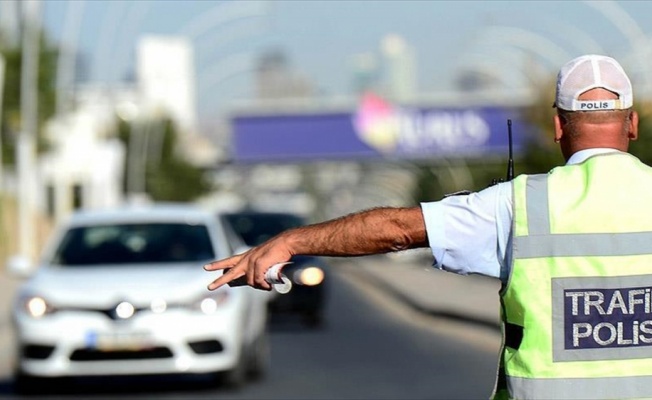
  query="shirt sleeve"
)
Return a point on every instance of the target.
[{"x": 468, "y": 234}]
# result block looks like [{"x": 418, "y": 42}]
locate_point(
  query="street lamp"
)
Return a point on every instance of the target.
[
  {"x": 67, "y": 53},
  {"x": 26, "y": 144}
]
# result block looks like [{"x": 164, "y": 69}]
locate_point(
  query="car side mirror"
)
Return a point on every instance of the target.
[{"x": 20, "y": 266}]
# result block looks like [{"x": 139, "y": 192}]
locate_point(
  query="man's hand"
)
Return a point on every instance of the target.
[{"x": 252, "y": 265}]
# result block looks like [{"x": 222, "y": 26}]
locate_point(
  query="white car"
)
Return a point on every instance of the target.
[{"x": 123, "y": 292}]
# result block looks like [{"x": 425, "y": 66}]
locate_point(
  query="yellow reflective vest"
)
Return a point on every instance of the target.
[{"x": 577, "y": 309}]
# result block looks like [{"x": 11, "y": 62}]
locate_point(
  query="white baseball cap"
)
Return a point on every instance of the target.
[{"x": 589, "y": 72}]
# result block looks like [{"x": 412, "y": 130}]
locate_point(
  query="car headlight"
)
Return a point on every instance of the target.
[
  {"x": 36, "y": 306},
  {"x": 308, "y": 276},
  {"x": 209, "y": 303}
]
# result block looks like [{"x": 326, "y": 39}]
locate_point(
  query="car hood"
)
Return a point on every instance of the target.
[{"x": 103, "y": 286}]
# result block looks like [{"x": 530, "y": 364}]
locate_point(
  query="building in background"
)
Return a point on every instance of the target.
[
  {"x": 366, "y": 73},
  {"x": 391, "y": 71},
  {"x": 399, "y": 68},
  {"x": 85, "y": 166},
  {"x": 166, "y": 79},
  {"x": 276, "y": 80}
]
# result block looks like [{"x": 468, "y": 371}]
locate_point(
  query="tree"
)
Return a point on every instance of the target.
[
  {"x": 11, "y": 121},
  {"x": 541, "y": 153},
  {"x": 169, "y": 177},
  {"x": 641, "y": 147}
]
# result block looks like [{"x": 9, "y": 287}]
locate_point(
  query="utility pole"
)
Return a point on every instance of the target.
[
  {"x": 2, "y": 91},
  {"x": 26, "y": 146}
]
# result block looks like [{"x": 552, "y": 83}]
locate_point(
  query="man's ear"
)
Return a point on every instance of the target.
[
  {"x": 559, "y": 125},
  {"x": 633, "y": 126}
]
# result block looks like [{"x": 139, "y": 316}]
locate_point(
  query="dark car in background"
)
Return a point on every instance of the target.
[{"x": 309, "y": 274}]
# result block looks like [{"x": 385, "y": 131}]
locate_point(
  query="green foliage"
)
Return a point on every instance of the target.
[
  {"x": 169, "y": 177},
  {"x": 541, "y": 153},
  {"x": 434, "y": 181},
  {"x": 642, "y": 148},
  {"x": 428, "y": 187},
  {"x": 11, "y": 116}
]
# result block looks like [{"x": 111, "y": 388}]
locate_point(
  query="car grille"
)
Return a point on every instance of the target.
[
  {"x": 37, "y": 351},
  {"x": 97, "y": 355},
  {"x": 206, "y": 346}
]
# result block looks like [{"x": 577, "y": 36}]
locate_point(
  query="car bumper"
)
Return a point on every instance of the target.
[{"x": 77, "y": 344}]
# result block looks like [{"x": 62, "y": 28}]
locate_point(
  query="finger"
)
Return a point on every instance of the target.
[
  {"x": 222, "y": 264},
  {"x": 256, "y": 275},
  {"x": 228, "y": 276}
]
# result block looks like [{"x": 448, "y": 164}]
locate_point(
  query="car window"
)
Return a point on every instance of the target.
[
  {"x": 134, "y": 243},
  {"x": 257, "y": 228}
]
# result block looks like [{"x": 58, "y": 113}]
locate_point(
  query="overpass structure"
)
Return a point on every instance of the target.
[
  {"x": 328, "y": 158},
  {"x": 373, "y": 128}
]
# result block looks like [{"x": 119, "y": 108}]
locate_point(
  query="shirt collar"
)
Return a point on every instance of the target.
[{"x": 582, "y": 155}]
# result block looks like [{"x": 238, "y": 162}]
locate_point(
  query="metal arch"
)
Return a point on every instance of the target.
[
  {"x": 244, "y": 31},
  {"x": 507, "y": 65},
  {"x": 226, "y": 69},
  {"x": 111, "y": 19},
  {"x": 628, "y": 26},
  {"x": 67, "y": 51},
  {"x": 572, "y": 34},
  {"x": 502, "y": 71},
  {"x": 130, "y": 27},
  {"x": 221, "y": 14},
  {"x": 530, "y": 41}
]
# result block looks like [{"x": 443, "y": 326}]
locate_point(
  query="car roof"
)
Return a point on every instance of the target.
[
  {"x": 154, "y": 212},
  {"x": 262, "y": 213}
]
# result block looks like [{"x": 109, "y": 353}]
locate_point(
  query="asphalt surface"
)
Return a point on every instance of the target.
[{"x": 413, "y": 280}]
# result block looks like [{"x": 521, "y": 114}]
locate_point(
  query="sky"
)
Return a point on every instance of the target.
[{"x": 320, "y": 38}]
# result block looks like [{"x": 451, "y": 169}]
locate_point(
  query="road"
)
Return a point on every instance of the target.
[{"x": 371, "y": 347}]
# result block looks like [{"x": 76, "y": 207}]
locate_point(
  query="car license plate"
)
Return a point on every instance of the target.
[{"x": 119, "y": 340}]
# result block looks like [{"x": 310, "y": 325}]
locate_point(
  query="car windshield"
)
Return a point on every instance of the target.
[
  {"x": 134, "y": 244},
  {"x": 257, "y": 228}
]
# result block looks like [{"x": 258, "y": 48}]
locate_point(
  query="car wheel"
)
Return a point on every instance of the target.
[{"x": 259, "y": 357}]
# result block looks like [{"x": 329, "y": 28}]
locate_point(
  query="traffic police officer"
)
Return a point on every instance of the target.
[{"x": 573, "y": 248}]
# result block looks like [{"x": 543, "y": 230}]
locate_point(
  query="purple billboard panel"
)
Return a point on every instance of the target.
[{"x": 376, "y": 130}]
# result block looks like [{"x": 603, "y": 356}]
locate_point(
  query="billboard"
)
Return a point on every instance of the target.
[{"x": 376, "y": 129}]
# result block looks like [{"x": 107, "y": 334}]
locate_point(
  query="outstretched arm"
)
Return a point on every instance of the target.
[{"x": 374, "y": 231}]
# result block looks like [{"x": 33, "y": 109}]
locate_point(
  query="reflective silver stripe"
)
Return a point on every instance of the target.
[
  {"x": 580, "y": 388},
  {"x": 545, "y": 244},
  {"x": 536, "y": 200},
  {"x": 583, "y": 244}
]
